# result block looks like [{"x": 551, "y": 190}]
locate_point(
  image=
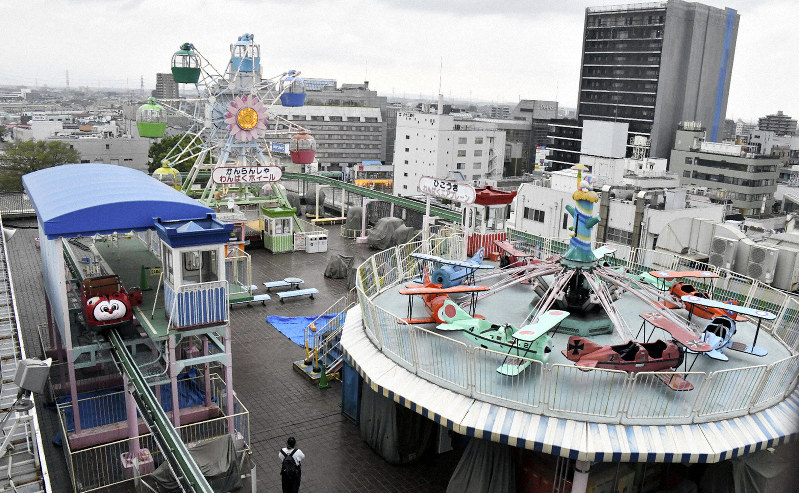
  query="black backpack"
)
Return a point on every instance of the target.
[{"x": 289, "y": 469}]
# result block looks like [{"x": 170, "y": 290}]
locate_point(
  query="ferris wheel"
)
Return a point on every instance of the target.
[{"x": 233, "y": 131}]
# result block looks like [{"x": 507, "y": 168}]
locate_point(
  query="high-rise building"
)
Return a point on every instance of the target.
[
  {"x": 165, "y": 87},
  {"x": 780, "y": 124},
  {"x": 656, "y": 64}
]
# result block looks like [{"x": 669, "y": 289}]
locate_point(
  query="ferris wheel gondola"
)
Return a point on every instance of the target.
[{"x": 292, "y": 89}]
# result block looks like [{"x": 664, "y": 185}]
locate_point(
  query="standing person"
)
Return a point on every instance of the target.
[{"x": 290, "y": 471}]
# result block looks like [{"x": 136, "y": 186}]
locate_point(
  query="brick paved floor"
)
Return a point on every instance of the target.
[{"x": 281, "y": 401}]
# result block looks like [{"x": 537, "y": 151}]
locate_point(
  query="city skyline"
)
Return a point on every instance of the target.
[{"x": 516, "y": 50}]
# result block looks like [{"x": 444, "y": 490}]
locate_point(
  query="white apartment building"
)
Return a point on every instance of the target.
[{"x": 437, "y": 145}]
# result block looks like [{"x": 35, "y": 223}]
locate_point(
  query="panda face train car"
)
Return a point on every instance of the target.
[{"x": 106, "y": 303}]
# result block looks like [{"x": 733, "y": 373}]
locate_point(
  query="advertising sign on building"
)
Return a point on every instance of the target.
[
  {"x": 246, "y": 174},
  {"x": 446, "y": 189},
  {"x": 279, "y": 147}
]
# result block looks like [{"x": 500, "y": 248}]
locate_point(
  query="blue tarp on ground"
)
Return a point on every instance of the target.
[
  {"x": 104, "y": 407},
  {"x": 294, "y": 327}
]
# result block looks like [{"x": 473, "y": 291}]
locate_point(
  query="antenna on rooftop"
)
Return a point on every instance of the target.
[{"x": 440, "y": 73}]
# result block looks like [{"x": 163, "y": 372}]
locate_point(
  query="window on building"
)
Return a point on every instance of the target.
[
  {"x": 689, "y": 160},
  {"x": 406, "y": 161},
  {"x": 407, "y": 149},
  {"x": 462, "y": 153},
  {"x": 461, "y": 140},
  {"x": 534, "y": 214},
  {"x": 475, "y": 177},
  {"x": 619, "y": 236},
  {"x": 565, "y": 221},
  {"x": 405, "y": 187},
  {"x": 686, "y": 174},
  {"x": 477, "y": 165},
  {"x": 405, "y": 174},
  {"x": 318, "y": 118},
  {"x": 478, "y": 152},
  {"x": 108, "y": 146},
  {"x": 460, "y": 165},
  {"x": 407, "y": 137},
  {"x": 353, "y": 118},
  {"x": 478, "y": 140}
]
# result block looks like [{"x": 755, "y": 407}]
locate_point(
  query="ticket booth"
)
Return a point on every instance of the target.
[{"x": 279, "y": 228}]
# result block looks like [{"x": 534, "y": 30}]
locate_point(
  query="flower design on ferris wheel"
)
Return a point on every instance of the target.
[{"x": 246, "y": 118}]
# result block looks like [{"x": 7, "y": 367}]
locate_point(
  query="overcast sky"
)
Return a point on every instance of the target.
[{"x": 491, "y": 51}]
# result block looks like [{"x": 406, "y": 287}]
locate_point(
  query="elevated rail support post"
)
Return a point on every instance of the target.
[
  {"x": 316, "y": 212},
  {"x": 173, "y": 381},
  {"x": 133, "y": 419},
  {"x": 465, "y": 253},
  {"x": 229, "y": 382},
  {"x": 73, "y": 386},
  {"x": 207, "y": 369},
  {"x": 363, "y": 238}
]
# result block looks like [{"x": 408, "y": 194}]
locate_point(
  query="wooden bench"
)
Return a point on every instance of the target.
[
  {"x": 285, "y": 283},
  {"x": 329, "y": 220},
  {"x": 258, "y": 297},
  {"x": 297, "y": 292}
]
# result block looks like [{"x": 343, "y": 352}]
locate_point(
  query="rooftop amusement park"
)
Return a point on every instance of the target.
[{"x": 583, "y": 352}]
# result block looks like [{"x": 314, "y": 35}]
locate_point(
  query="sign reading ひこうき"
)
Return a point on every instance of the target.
[
  {"x": 447, "y": 189},
  {"x": 229, "y": 175}
]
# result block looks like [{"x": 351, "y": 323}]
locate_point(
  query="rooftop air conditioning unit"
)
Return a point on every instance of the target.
[
  {"x": 762, "y": 263},
  {"x": 722, "y": 252}
]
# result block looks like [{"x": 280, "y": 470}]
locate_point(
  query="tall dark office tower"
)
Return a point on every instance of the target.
[{"x": 656, "y": 64}]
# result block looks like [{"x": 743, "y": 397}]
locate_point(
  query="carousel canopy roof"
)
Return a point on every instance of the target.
[{"x": 92, "y": 198}]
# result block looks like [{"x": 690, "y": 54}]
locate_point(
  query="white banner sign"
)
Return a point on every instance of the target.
[
  {"x": 246, "y": 174},
  {"x": 446, "y": 189}
]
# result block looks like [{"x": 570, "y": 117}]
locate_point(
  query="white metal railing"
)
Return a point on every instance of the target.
[
  {"x": 197, "y": 304},
  {"x": 99, "y": 467},
  {"x": 238, "y": 268},
  {"x": 604, "y": 395}
]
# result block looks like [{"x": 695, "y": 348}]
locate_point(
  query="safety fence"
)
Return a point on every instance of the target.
[
  {"x": 101, "y": 466},
  {"x": 564, "y": 390}
]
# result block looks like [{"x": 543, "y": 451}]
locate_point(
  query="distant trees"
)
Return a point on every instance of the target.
[
  {"x": 26, "y": 156},
  {"x": 160, "y": 149}
]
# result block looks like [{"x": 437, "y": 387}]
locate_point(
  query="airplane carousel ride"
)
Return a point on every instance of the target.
[{"x": 556, "y": 347}]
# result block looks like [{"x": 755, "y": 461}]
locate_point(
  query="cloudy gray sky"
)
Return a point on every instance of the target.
[{"x": 492, "y": 51}]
